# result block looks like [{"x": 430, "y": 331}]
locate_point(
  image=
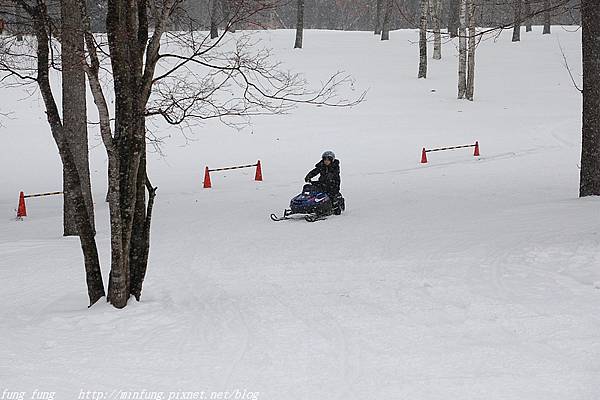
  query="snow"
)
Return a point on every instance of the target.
[{"x": 465, "y": 278}]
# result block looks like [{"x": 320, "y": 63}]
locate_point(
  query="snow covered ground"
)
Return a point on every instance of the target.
[{"x": 463, "y": 278}]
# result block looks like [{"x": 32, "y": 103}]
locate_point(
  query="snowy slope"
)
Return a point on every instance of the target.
[{"x": 461, "y": 279}]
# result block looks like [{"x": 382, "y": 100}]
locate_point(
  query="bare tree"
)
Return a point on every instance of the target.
[
  {"x": 74, "y": 112},
  {"x": 462, "y": 51},
  {"x": 423, "y": 6},
  {"x": 453, "y": 17},
  {"x": 214, "y": 18},
  {"x": 517, "y": 20},
  {"x": 436, "y": 8},
  {"x": 378, "y": 7},
  {"x": 299, "y": 24},
  {"x": 385, "y": 28},
  {"x": 471, "y": 51},
  {"x": 589, "y": 184},
  {"x": 192, "y": 79},
  {"x": 17, "y": 62},
  {"x": 527, "y": 10},
  {"x": 547, "y": 16}
]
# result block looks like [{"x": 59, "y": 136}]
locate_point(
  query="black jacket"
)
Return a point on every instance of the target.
[{"x": 329, "y": 178}]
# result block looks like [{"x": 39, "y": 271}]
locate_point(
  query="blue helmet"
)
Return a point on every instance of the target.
[{"x": 328, "y": 154}]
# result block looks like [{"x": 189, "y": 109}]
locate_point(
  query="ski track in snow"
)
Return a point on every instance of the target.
[{"x": 465, "y": 278}]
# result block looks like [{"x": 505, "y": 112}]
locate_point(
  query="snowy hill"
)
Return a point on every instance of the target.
[{"x": 464, "y": 278}]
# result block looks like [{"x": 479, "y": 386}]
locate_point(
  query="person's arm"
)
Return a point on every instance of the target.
[{"x": 312, "y": 173}]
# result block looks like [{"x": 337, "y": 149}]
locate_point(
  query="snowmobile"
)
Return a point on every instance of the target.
[{"x": 314, "y": 204}]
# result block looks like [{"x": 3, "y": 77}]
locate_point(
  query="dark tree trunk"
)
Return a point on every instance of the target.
[
  {"x": 527, "y": 16},
  {"x": 517, "y": 21},
  {"x": 453, "y": 17},
  {"x": 74, "y": 192},
  {"x": 228, "y": 15},
  {"x": 133, "y": 67},
  {"x": 378, "y": 8},
  {"x": 18, "y": 23},
  {"x": 214, "y": 19},
  {"x": 140, "y": 241},
  {"x": 385, "y": 28},
  {"x": 299, "y": 24},
  {"x": 74, "y": 112},
  {"x": 547, "y": 17},
  {"x": 590, "y": 148}
]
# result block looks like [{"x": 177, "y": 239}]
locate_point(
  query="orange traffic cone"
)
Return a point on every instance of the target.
[
  {"x": 424, "y": 157},
  {"x": 476, "y": 153},
  {"x": 258, "y": 176},
  {"x": 21, "y": 211},
  {"x": 207, "y": 183}
]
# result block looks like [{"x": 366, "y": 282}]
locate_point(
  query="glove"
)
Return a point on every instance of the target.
[{"x": 307, "y": 179}]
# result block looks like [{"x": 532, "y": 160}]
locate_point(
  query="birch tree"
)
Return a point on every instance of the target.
[
  {"x": 471, "y": 51},
  {"x": 423, "y": 6},
  {"x": 462, "y": 51},
  {"x": 436, "y": 8}
]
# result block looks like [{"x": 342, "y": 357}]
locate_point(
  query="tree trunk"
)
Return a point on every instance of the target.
[
  {"x": 547, "y": 17},
  {"x": 590, "y": 148},
  {"x": 423, "y": 39},
  {"x": 453, "y": 17},
  {"x": 517, "y": 21},
  {"x": 228, "y": 15},
  {"x": 74, "y": 193},
  {"x": 385, "y": 28},
  {"x": 18, "y": 23},
  {"x": 74, "y": 112},
  {"x": 133, "y": 59},
  {"x": 462, "y": 51},
  {"x": 299, "y": 24},
  {"x": 378, "y": 7},
  {"x": 527, "y": 16},
  {"x": 214, "y": 19},
  {"x": 437, "y": 38},
  {"x": 471, "y": 52}
]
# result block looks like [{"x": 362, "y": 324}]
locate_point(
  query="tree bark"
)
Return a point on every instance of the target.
[
  {"x": 590, "y": 148},
  {"x": 74, "y": 193},
  {"x": 378, "y": 7},
  {"x": 423, "y": 39},
  {"x": 462, "y": 51},
  {"x": 471, "y": 52},
  {"x": 527, "y": 16},
  {"x": 134, "y": 59},
  {"x": 517, "y": 21},
  {"x": 228, "y": 15},
  {"x": 74, "y": 112},
  {"x": 547, "y": 17},
  {"x": 437, "y": 38},
  {"x": 385, "y": 28},
  {"x": 214, "y": 19},
  {"x": 453, "y": 17},
  {"x": 299, "y": 24},
  {"x": 18, "y": 23}
]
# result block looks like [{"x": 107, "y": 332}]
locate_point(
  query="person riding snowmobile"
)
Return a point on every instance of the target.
[{"x": 329, "y": 181}]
